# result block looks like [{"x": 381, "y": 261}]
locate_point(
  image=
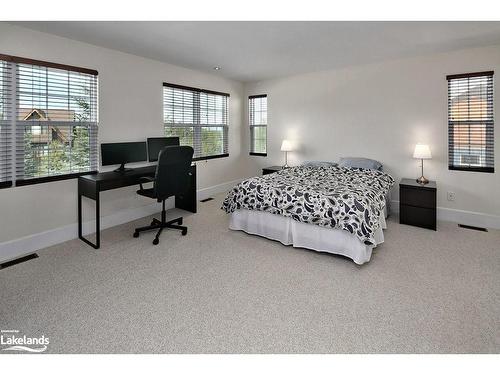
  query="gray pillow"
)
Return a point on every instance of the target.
[
  {"x": 362, "y": 163},
  {"x": 316, "y": 164}
]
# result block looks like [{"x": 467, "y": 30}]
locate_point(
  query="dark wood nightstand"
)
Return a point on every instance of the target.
[
  {"x": 417, "y": 203},
  {"x": 269, "y": 170}
]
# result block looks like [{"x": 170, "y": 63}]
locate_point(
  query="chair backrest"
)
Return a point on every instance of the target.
[{"x": 172, "y": 172}]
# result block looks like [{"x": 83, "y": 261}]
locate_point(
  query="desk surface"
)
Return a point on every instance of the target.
[{"x": 108, "y": 176}]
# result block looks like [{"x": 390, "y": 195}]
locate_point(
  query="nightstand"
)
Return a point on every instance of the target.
[
  {"x": 417, "y": 203},
  {"x": 269, "y": 170}
]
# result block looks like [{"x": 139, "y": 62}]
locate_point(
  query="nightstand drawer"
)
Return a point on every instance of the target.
[
  {"x": 417, "y": 197},
  {"x": 417, "y": 216},
  {"x": 269, "y": 170}
]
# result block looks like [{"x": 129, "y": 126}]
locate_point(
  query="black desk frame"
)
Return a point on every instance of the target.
[{"x": 90, "y": 186}]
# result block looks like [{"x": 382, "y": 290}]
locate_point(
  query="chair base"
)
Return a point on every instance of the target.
[{"x": 160, "y": 225}]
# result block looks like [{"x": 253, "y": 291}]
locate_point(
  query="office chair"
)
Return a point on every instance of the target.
[{"x": 171, "y": 178}]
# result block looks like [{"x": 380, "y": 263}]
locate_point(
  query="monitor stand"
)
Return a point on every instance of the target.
[{"x": 122, "y": 169}]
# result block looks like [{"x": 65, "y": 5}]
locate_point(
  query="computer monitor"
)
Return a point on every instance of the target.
[
  {"x": 122, "y": 153},
  {"x": 155, "y": 145}
]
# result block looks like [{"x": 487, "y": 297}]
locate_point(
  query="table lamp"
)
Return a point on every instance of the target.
[
  {"x": 286, "y": 146},
  {"x": 422, "y": 152}
]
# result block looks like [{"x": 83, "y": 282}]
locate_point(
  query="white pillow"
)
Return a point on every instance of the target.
[
  {"x": 317, "y": 164},
  {"x": 362, "y": 163}
]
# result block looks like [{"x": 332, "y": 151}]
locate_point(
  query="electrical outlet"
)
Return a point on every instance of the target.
[{"x": 451, "y": 196}]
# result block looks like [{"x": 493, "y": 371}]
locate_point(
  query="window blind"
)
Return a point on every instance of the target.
[
  {"x": 6, "y": 109},
  {"x": 198, "y": 117},
  {"x": 257, "y": 118},
  {"x": 471, "y": 122},
  {"x": 54, "y": 120}
]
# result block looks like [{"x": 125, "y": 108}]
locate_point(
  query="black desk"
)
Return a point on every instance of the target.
[{"x": 91, "y": 185}]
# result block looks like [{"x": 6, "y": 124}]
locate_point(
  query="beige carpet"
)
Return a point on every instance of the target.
[{"x": 219, "y": 291}]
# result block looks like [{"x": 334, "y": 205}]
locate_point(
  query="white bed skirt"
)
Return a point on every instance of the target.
[{"x": 309, "y": 236}]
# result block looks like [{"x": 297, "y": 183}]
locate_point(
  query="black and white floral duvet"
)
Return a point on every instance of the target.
[{"x": 336, "y": 197}]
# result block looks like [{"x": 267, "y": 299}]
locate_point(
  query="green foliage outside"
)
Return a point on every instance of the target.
[
  {"x": 212, "y": 142},
  {"x": 55, "y": 156},
  {"x": 259, "y": 139},
  {"x": 185, "y": 135}
]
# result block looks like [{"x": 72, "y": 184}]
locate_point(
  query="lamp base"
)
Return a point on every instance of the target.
[
  {"x": 422, "y": 180},
  {"x": 286, "y": 161}
]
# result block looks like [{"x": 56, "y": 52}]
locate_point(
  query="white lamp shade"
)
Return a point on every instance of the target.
[
  {"x": 286, "y": 145},
  {"x": 422, "y": 152}
]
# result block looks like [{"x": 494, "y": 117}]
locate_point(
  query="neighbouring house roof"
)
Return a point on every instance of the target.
[
  {"x": 27, "y": 114},
  {"x": 53, "y": 132}
]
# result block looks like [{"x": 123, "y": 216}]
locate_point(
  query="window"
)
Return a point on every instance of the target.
[
  {"x": 198, "y": 117},
  {"x": 48, "y": 121},
  {"x": 5, "y": 125},
  {"x": 257, "y": 118},
  {"x": 470, "y": 122}
]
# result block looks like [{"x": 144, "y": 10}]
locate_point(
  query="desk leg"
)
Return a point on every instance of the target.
[
  {"x": 97, "y": 222},
  {"x": 79, "y": 214},
  {"x": 188, "y": 200}
]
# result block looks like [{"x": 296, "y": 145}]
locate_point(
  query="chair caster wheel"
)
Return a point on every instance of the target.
[
  {"x": 136, "y": 234},
  {"x": 179, "y": 221},
  {"x": 156, "y": 241},
  {"x": 184, "y": 232},
  {"x": 153, "y": 222}
]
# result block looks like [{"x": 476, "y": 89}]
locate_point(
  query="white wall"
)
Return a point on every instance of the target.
[
  {"x": 378, "y": 111},
  {"x": 381, "y": 111},
  {"x": 130, "y": 108}
]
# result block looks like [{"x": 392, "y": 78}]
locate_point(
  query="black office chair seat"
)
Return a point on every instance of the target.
[
  {"x": 150, "y": 193},
  {"x": 171, "y": 178}
]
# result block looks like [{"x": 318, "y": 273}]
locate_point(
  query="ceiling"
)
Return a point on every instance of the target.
[{"x": 253, "y": 51}]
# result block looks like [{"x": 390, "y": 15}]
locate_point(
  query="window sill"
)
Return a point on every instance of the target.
[
  {"x": 258, "y": 154},
  {"x": 6, "y": 184},
  {"x": 41, "y": 180},
  {"x": 211, "y": 157},
  {"x": 472, "y": 169}
]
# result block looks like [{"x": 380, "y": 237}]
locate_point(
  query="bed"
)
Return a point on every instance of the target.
[{"x": 332, "y": 208}]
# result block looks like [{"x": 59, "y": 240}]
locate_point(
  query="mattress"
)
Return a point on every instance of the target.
[
  {"x": 329, "y": 197},
  {"x": 303, "y": 235}
]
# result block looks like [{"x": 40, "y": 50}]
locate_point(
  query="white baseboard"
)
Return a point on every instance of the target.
[
  {"x": 212, "y": 190},
  {"x": 26, "y": 245},
  {"x": 476, "y": 219}
]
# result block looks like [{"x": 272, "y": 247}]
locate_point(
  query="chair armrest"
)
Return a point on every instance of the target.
[{"x": 144, "y": 180}]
